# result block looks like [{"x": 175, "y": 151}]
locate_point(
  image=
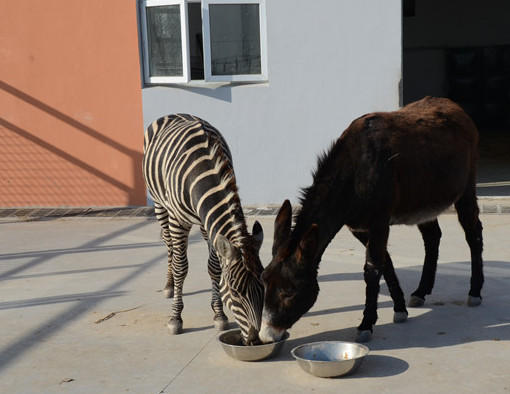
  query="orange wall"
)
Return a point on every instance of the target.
[{"x": 70, "y": 104}]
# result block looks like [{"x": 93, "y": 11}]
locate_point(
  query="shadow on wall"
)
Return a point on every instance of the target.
[
  {"x": 61, "y": 179},
  {"x": 215, "y": 91},
  {"x": 223, "y": 93}
]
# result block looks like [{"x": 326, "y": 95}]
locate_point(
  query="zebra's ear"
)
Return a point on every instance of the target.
[
  {"x": 223, "y": 247},
  {"x": 258, "y": 235}
]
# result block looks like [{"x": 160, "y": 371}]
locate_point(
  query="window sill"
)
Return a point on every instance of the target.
[{"x": 201, "y": 84}]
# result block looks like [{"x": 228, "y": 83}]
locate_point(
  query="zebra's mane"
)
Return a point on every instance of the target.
[{"x": 223, "y": 165}]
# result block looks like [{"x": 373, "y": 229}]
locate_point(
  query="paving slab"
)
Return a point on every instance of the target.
[{"x": 82, "y": 312}]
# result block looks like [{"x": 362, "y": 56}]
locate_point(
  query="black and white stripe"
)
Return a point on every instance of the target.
[{"x": 188, "y": 171}]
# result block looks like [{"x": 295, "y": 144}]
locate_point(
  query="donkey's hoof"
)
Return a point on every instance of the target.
[
  {"x": 168, "y": 293},
  {"x": 221, "y": 324},
  {"x": 399, "y": 317},
  {"x": 415, "y": 301},
  {"x": 174, "y": 326},
  {"x": 364, "y": 336},
  {"x": 474, "y": 301}
]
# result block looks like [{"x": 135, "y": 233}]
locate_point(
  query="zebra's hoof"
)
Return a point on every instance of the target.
[
  {"x": 399, "y": 317},
  {"x": 168, "y": 293},
  {"x": 174, "y": 326},
  {"x": 474, "y": 301},
  {"x": 364, "y": 336},
  {"x": 416, "y": 302},
  {"x": 221, "y": 324}
]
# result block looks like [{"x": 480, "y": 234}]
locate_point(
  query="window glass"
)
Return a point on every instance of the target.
[
  {"x": 235, "y": 39},
  {"x": 165, "y": 44},
  {"x": 196, "y": 48}
]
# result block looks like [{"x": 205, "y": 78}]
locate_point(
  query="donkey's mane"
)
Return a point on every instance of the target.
[
  {"x": 312, "y": 197},
  {"x": 323, "y": 173}
]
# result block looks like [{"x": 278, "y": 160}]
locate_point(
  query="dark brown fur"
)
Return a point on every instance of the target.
[{"x": 402, "y": 167}]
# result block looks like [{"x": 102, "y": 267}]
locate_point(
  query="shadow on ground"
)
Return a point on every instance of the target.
[
  {"x": 79, "y": 303},
  {"x": 445, "y": 320}
]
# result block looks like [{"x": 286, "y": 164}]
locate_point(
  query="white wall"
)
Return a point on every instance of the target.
[{"x": 330, "y": 61}]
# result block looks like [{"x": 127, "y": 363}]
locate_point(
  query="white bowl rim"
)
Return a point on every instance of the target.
[
  {"x": 282, "y": 339},
  {"x": 365, "y": 348}
]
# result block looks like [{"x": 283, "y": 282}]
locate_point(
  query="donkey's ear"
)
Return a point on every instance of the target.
[
  {"x": 224, "y": 248},
  {"x": 309, "y": 242},
  {"x": 282, "y": 225},
  {"x": 258, "y": 235}
]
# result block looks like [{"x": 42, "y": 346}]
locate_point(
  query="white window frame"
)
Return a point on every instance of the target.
[
  {"x": 208, "y": 77},
  {"x": 207, "y": 43},
  {"x": 184, "y": 42}
]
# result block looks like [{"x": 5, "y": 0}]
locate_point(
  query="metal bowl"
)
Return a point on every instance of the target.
[
  {"x": 232, "y": 343},
  {"x": 331, "y": 358}
]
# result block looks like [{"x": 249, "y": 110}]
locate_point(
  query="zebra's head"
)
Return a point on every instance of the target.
[{"x": 240, "y": 286}]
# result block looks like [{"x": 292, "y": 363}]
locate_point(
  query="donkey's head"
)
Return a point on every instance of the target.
[
  {"x": 290, "y": 280},
  {"x": 240, "y": 286}
]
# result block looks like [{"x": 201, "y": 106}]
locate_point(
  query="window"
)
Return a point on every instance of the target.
[{"x": 207, "y": 40}]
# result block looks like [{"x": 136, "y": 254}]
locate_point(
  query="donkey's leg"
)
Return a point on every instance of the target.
[
  {"x": 390, "y": 277},
  {"x": 467, "y": 211},
  {"x": 373, "y": 269},
  {"x": 179, "y": 236},
  {"x": 431, "y": 234},
  {"x": 162, "y": 216},
  {"x": 214, "y": 269}
]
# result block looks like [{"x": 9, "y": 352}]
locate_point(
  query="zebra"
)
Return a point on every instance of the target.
[{"x": 188, "y": 171}]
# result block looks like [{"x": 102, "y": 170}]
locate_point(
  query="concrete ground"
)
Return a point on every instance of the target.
[{"x": 81, "y": 311}]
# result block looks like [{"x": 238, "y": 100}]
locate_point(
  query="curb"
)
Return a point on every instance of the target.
[
  {"x": 41, "y": 213},
  {"x": 497, "y": 205}
]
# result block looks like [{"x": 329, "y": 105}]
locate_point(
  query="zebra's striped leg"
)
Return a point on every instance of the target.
[
  {"x": 214, "y": 269},
  {"x": 179, "y": 236},
  {"x": 168, "y": 290},
  {"x": 162, "y": 216}
]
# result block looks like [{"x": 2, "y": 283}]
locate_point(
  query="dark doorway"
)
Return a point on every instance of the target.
[{"x": 461, "y": 49}]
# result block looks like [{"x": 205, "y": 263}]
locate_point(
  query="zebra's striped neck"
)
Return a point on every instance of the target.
[
  {"x": 219, "y": 207},
  {"x": 226, "y": 216}
]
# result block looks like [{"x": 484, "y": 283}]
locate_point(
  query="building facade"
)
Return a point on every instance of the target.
[
  {"x": 70, "y": 102},
  {"x": 280, "y": 79},
  {"x": 327, "y": 64}
]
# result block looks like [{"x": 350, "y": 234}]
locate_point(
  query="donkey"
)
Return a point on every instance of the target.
[{"x": 402, "y": 167}]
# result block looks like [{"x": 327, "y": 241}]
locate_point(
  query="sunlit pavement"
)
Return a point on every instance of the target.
[{"x": 82, "y": 311}]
